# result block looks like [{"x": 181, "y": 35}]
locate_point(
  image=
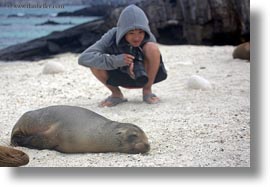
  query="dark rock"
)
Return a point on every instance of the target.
[
  {"x": 100, "y": 10},
  {"x": 199, "y": 22},
  {"x": 24, "y": 15},
  {"x": 50, "y": 22},
  {"x": 242, "y": 51},
  {"x": 75, "y": 40},
  {"x": 203, "y": 22}
]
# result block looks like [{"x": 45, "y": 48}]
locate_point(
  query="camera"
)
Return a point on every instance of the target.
[{"x": 139, "y": 70}]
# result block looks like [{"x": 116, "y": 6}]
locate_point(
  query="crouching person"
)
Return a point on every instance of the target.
[{"x": 127, "y": 56}]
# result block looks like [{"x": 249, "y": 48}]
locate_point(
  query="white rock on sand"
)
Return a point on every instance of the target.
[
  {"x": 52, "y": 67},
  {"x": 188, "y": 128},
  {"x": 199, "y": 83}
]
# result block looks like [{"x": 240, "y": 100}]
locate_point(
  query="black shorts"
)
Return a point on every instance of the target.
[{"x": 120, "y": 78}]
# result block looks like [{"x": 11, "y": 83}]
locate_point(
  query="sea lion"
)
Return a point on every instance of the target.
[
  {"x": 10, "y": 157},
  {"x": 242, "y": 51},
  {"x": 71, "y": 129}
]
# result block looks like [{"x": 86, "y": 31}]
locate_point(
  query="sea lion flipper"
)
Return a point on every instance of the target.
[
  {"x": 32, "y": 142},
  {"x": 40, "y": 140}
]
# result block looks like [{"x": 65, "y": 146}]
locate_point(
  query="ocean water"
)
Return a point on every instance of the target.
[{"x": 19, "y": 25}]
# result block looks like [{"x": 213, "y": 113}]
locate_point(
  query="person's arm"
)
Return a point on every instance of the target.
[{"x": 95, "y": 56}]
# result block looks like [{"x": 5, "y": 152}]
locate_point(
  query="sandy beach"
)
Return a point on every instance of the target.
[{"x": 188, "y": 128}]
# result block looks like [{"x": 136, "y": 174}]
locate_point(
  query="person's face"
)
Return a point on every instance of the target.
[{"x": 135, "y": 37}]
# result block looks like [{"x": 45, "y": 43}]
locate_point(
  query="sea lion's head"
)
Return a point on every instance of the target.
[{"x": 131, "y": 139}]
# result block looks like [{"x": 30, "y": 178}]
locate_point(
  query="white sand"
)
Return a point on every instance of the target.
[{"x": 189, "y": 128}]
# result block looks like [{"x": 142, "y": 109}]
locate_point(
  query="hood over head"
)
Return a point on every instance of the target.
[{"x": 132, "y": 17}]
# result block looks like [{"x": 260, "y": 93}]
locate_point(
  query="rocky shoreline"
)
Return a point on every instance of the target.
[{"x": 213, "y": 22}]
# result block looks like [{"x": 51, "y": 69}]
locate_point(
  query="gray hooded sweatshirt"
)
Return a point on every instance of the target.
[{"x": 107, "y": 53}]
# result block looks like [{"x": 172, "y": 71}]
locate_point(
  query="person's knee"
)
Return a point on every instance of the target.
[
  {"x": 100, "y": 74},
  {"x": 151, "y": 54},
  {"x": 151, "y": 49},
  {"x": 95, "y": 70}
]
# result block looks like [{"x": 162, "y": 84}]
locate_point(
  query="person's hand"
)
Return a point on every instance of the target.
[
  {"x": 128, "y": 59},
  {"x": 131, "y": 73}
]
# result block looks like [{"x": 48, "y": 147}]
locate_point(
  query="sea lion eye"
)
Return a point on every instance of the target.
[{"x": 132, "y": 137}]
